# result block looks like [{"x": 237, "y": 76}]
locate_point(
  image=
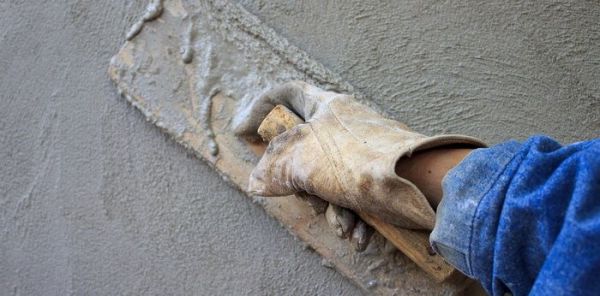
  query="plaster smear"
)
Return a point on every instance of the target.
[
  {"x": 233, "y": 53},
  {"x": 153, "y": 11},
  {"x": 201, "y": 62}
]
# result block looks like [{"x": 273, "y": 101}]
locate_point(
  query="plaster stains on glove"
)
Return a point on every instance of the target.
[
  {"x": 276, "y": 174},
  {"x": 318, "y": 205},
  {"x": 300, "y": 97},
  {"x": 341, "y": 220},
  {"x": 361, "y": 235},
  {"x": 345, "y": 153},
  {"x": 346, "y": 224}
]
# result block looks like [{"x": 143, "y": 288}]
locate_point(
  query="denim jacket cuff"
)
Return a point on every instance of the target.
[{"x": 464, "y": 187}]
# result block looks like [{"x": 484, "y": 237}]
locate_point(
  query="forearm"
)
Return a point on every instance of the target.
[{"x": 426, "y": 169}]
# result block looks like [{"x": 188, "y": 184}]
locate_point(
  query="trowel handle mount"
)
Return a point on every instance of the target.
[{"x": 414, "y": 244}]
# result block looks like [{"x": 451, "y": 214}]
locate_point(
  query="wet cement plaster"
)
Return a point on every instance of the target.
[
  {"x": 97, "y": 201},
  {"x": 236, "y": 59},
  {"x": 491, "y": 69},
  {"x": 153, "y": 10}
]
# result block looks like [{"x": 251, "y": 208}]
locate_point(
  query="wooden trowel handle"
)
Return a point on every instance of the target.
[{"x": 414, "y": 244}]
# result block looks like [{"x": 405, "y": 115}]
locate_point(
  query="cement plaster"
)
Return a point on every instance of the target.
[
  {"x": 491, "y": 69},
  {"x": 96, "y": 201},
  {"x": 236, "y": 59},
  {"x": 93, "y": 200}
]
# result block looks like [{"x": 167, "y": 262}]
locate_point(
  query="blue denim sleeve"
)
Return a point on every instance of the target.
[{"x": 524, "y": 218}]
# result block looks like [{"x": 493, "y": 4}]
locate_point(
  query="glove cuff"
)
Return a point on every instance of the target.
[
  {"x": 440, "y": 141},
  {"x": 412, "y": 205}
]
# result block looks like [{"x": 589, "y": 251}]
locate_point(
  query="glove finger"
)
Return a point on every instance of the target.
[
  {"x": 297, "y": 96},
  {"x": 318, "y": 205},
  {"x": 281, "y": 169},
  {"x": 341, "y": 220},
  {"x": 361, "y": 236}
]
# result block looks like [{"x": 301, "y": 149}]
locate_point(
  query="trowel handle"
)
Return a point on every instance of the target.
[
  {"x": 278, "y": 121},
  {"x": 414, "y": 244}
]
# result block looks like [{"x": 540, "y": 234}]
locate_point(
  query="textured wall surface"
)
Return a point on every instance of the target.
[
  {"x": 492, "y": 69},
  {"x": 94, "y": 200}
]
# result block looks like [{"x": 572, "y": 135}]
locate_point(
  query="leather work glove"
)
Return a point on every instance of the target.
[{"x": 345, "y": 153}]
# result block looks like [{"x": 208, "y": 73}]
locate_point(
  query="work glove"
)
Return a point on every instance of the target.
[{"x": 344, "y": 153}]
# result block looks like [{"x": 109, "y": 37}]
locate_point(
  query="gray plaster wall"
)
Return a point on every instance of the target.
[
  {"x": 94, "y": 200},
  {"x": 492, "y": 69}
]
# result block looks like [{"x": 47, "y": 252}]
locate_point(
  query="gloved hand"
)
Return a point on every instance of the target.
[{"x": 345, "y": 153}]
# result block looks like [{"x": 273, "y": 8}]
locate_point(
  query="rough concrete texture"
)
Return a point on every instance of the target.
[
  {"x": 93, "y": 200},
  {"x": 491, "y": 69},
  {"x": 96, "y": 201}
]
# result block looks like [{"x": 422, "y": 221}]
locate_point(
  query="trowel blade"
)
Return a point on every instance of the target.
[{"x": 188, "y": 66}]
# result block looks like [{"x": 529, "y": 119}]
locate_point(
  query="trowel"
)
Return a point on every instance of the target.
[{"x": 189, "y": 66}]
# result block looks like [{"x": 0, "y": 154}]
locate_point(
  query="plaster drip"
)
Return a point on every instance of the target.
[
  {"x": 187, "y": 52},
  {"x": 205, "y": 114},
  {"x": 153, "y": 10}
]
